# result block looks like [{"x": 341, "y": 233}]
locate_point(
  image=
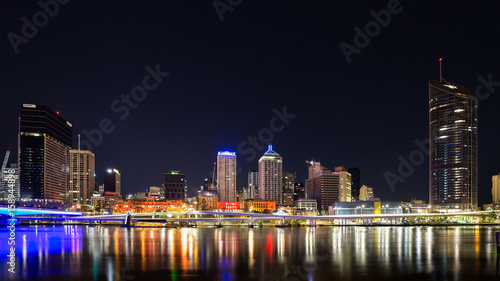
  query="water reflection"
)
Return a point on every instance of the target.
[{"x": 113, "y": 253}]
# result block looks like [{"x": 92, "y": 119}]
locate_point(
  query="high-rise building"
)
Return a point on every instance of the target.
[
  {"x": 330, "y": 187},
  {"x": 287, "y": 188},
  {"x": 345, "y": 180},
  {"x": 299, "y": 191},
  {"x": 253, "y": 184},
  {"x": 9, "y": 183},
  {"x": 366, "y": 193},
  {"x": 175, "y": 186},
  {"x": 355, "y": 181},
  {"x": 495, "y": 189},
  {"x": 452, "y": 147},
  {"x": 45, "y": 139},
  {"x": 113, "y": 181},
  {"x": 226, "y": 176},
  {"x": 270, "y": 176},
  {"x": 81, "y": 176}
]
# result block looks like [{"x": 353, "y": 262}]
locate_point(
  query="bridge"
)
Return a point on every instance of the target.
[{"x": 217, "y": 217}]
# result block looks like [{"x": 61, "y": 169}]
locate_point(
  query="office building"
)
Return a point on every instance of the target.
[
  {"x": 112, "y": 181},
  {"x": 495, "y": 189},
  {"x": 287, "y": 188},
  {"x": 355, "y": 182},
  {"x": 175, "y": 186},
  {"x": 366, "y": 193},
  {"x": 270, "y": 176},
  {"x": 328, "y": 187},
  {"x": 81, "y": 176},
  {"x": 253, "y": 184},
  {"x": 299, "y": 191},
  {"x": 452, "y": 147},
  {"x": 226, "y": 176},
  {"x": 45, "y": 139},
  {"x": 9, "y": 183}
]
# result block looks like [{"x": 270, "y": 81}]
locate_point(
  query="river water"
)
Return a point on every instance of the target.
[{"x": 240, "y": 253}]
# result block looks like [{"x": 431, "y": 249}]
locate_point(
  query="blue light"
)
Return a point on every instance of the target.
[
  {"x": 95, "y": 175},
  {"x": 229, "y": 153}
]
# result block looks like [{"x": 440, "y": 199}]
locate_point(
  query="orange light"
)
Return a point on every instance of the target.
[{"x": 440, "y": 59}]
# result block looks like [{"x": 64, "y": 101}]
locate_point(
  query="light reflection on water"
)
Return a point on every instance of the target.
[{"x": 340, "y": 253}]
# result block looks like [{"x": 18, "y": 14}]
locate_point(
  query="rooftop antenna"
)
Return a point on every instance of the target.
[
  {"x": 78, "y": 142},
  {"x": 440, "y": 70}
]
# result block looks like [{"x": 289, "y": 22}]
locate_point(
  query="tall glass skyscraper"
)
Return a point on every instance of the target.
[
  {"x": 452, "y": 147},
  {"x": 271, "y": 176},
  {"x": 44, "y": 142},
  {"x": 226, "y": 176}
]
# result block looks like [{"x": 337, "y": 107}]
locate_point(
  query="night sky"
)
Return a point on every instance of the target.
[{"x": 226, "y": 77}]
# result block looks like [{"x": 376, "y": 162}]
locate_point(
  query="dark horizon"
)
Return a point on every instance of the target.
[{"x": 216, "y": 85}]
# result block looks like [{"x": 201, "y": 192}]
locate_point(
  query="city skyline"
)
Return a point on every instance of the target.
[{"x": 235, "y": 91}]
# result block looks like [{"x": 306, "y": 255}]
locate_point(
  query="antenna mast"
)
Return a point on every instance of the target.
[{"x": 440, "y": 70}]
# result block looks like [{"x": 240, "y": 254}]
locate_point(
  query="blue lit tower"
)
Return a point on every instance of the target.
[{"x": 226, "y": 176}]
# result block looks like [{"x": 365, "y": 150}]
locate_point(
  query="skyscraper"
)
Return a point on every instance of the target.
[
  {"x": 355, "y": 181},
  {"x": 112, "y": 181},
  {"x": 453, "y": 147},
  {"x": 44, "y": 142},
  {"x": 287, "y": 188},
  {"x": 495, "y": 189},
  {"x": 175, "y": 186},
  {"x": 81, "y": 176},
  {"x": 226, "y": 176},
  {"x": 253, "y": 184},
  {"x": 329, "y": 187},
  {"x": 270, "y": 176}
]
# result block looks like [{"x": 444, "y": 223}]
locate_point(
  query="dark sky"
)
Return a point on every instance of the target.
[{"x": 227, "y": 76}]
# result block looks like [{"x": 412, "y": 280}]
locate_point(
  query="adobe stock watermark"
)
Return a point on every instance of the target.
[
  {"x": 372, "y": 29},
  {"x": 29, "y": 30},
  {"x": 11, "y": 177},
  {"x": 123, "y": 106},
  {"x": 417, "y": 157},
  {"x": 221, "y": 7}
]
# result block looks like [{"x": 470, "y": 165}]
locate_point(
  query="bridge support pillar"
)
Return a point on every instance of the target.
[
  {"x": 128, "y": 220},
  {"x": 250, "y": 224},
  {"x": 219, "y": 222},
  {"x": 371, "y": 222},
  {"x": 282, "y": 222},
  {"x": 312, "y": 223}
]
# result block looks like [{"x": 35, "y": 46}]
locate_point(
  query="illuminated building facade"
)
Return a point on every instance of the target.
[
  {"x": 365, "y": 193},
  {"x": 45, "y": 139},
  {"x": 207, "y": 200},
  {"x": 330, "y": 187},
  {"x": 229, "y": 205},
  {"x": 260, "y": 205},
  {"x": 175, "y": 186},
  {"x": 81, "y": 176},
  {"x": 9, "y": 184},
  {"x": 495, "y": 189},
  {"x": 287, "y": 188},
  {"x": 452, "y": 147},
  {"x": 112, "y": 181},
  {"x": 226, "y": 176},
  {"x": 253, "y": 184},
  {"x": 270, "y": 176}
]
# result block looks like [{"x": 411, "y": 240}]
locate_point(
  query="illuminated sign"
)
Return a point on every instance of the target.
[
  {"x": 229, "y": 205},
  {"x": 29, "y": 105}
]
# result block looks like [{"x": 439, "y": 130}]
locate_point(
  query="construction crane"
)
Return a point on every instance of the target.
[
  {"x": 5, "y": 160},
  {"x": 313, "y": 164}
]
